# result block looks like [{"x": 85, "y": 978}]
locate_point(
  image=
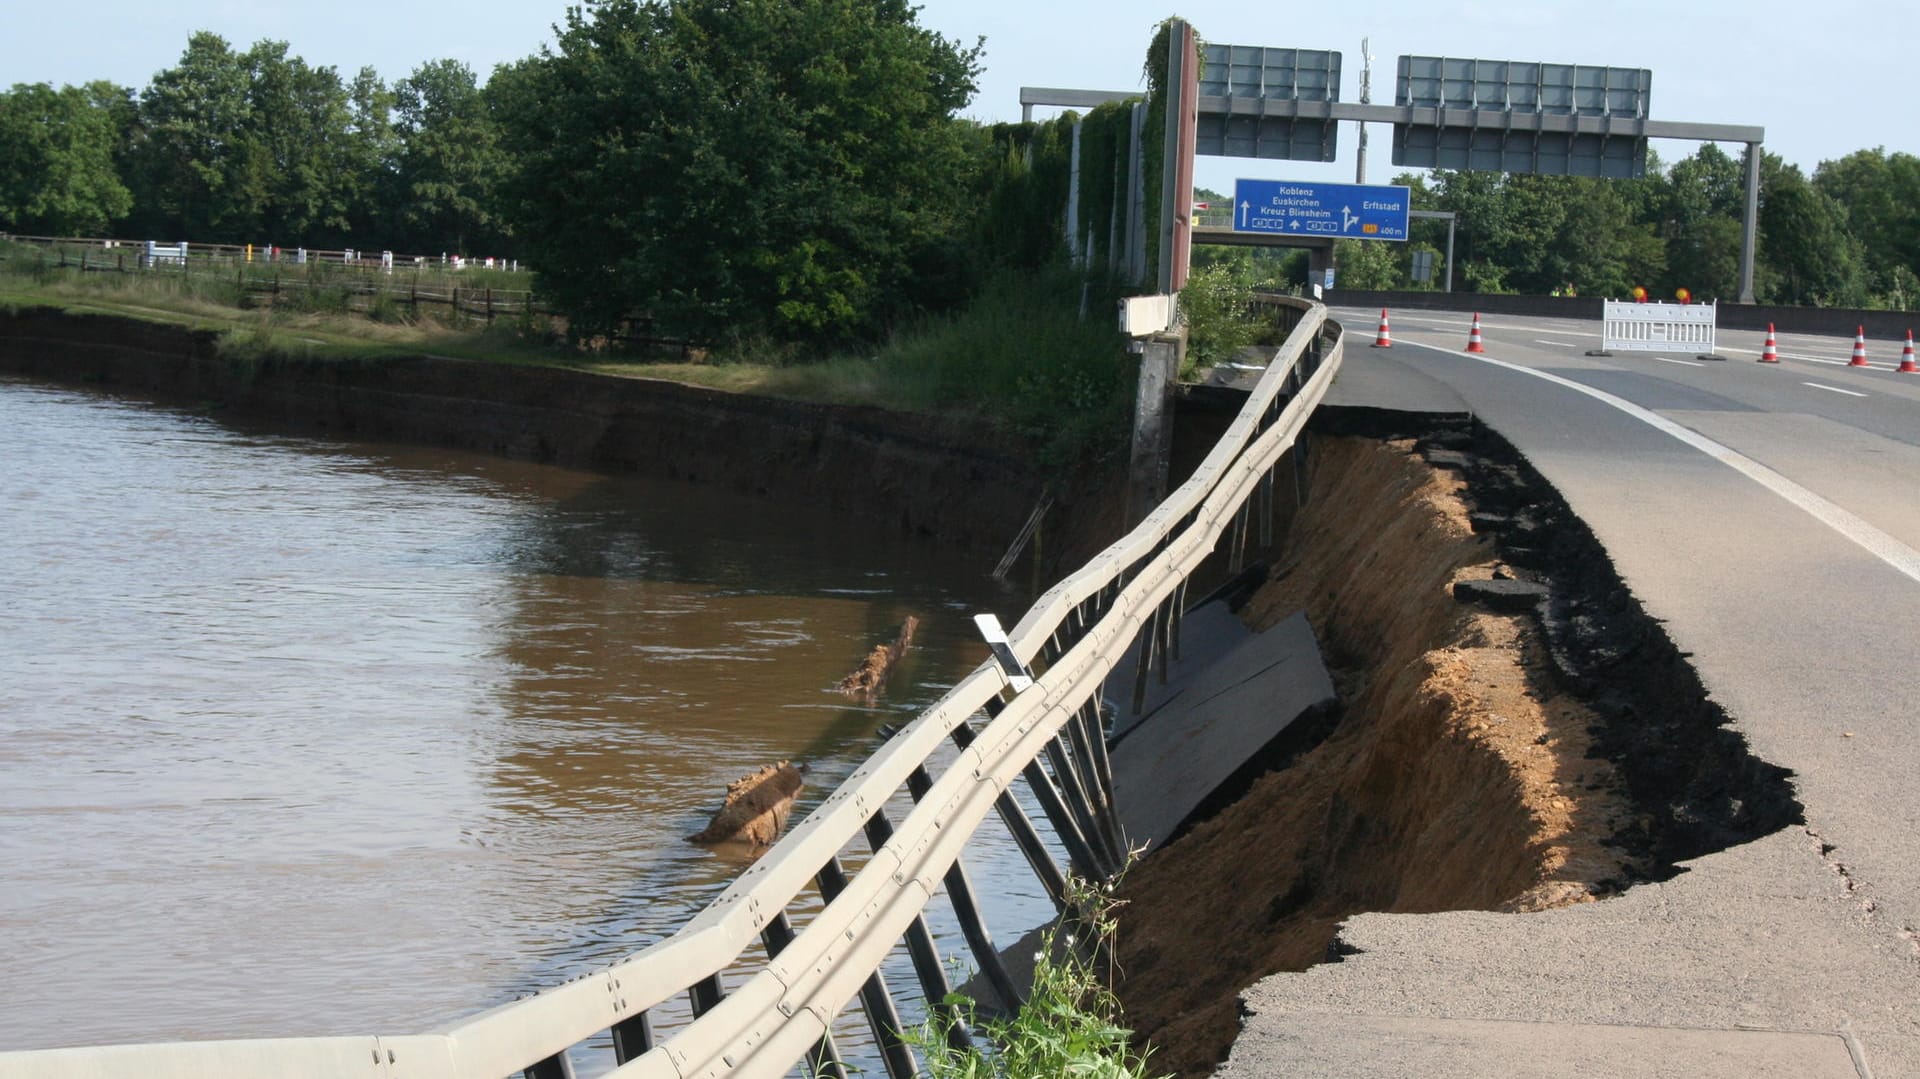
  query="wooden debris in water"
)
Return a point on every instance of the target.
[
  {"x": 870, "y": 677},
  {"x": 756, "y": 808}
]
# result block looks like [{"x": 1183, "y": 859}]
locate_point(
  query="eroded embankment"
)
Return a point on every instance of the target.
[
  {"x": 1478, "y": 762},
  {"x": 947, "y": 477}
]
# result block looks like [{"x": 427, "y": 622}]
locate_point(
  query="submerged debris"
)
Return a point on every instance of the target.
[
  {"x": 867, "y": 680},
  {"x": 756, "y": 808}
]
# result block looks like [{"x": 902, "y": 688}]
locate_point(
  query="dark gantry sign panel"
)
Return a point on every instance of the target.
[
  {"x": 1244, "y": 75},
  {"x": 1510, "y": 116}
]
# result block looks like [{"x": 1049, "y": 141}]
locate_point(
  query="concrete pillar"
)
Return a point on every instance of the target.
[
  {"x": 1319, "y": 261},
  {"x": 1153, "y": 425},
  {"x": 1750, "y": 225}
]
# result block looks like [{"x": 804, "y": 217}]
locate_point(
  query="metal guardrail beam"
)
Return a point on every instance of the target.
[{"x": 784, "y": 1011}]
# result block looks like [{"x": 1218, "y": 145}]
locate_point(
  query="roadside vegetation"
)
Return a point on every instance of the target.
[
  {"x": 1019, "y": 355},
  {"x": 1071, "y": 1024}
]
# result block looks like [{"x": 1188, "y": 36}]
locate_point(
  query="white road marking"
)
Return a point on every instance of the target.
[
  {"x": 1556, "y": 344},
  {"x": 1683, "y": 363},
  {"x": 1875, "y": 542},
  {"x": 1834, "y": 389}
]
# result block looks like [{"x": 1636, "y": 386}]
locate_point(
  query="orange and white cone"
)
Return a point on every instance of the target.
[
  {"x": 1770, "y": 352},
  {"x": 1383, "y": 339},
  {"x": 1907, "y": 366},
  {"x": 1859, "y": 348},
  {"x": 1474, "y": 343}
]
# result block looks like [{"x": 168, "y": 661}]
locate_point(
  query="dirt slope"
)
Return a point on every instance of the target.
[{"x": 1457, "y": 777}]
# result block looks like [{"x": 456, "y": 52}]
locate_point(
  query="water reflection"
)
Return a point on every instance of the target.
[{"x": 302, "y": 737}]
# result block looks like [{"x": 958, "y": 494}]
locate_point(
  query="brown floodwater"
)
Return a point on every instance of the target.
[{"x": 305, "y": 737}]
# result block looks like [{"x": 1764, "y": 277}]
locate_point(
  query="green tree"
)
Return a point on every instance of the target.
[
  {"x": 1367, "y": 264},
  {"x": 57, "y": 147},
  {"x": 296, "y": 172},
  {"x": 189, "y": 165},
  {"x": 1880, "y": 194},
  {"x": 736, "y": 166},
  {"x": 372, "y": 152},
  {"x": 1701, "y": 224},
  {"x": 1804, "y": 239},
  {"x": 246, "y": 146},
  {"x": 449, "y": 159}
]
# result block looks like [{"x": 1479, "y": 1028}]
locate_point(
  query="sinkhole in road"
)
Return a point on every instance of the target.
[{"x": 1555, "y": 752}]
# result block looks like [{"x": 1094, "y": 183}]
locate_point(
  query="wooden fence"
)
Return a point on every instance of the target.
[{"x": 265, "y": 275}]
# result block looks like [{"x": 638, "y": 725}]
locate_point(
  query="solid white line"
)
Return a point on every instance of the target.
[
  {"x": 1834, "y": 389},
  {"x": 1683, "y": 363},
  {"x": 1879, "y": 544},
  {"x": 1556, "y": 344}
]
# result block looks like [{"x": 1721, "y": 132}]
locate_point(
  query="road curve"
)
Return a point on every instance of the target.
[{"x": 1770, "y": 516}]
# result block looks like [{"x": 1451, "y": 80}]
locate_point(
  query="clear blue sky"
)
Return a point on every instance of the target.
[{"x": 1823, "y": 79}]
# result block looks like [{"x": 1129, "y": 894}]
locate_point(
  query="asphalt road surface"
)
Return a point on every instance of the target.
[{"x": 1770, "y": 516}]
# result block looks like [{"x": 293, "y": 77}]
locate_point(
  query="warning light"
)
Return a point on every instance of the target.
[
  {"x": 1639, "y": 294},
  {"x": 1683, "y": 295}
]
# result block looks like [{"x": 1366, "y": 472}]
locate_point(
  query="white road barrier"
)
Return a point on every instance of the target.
[{"x": 1658, "y": 327}]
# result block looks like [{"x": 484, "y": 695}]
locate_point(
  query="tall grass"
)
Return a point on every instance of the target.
[
  {"x": 1071, "y": 1024},
  {"x": 1022, "y": 353},
  {"x": 1019, "y": 355}
]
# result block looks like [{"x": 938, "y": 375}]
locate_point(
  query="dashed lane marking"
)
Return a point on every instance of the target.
[
  {"x": 1683, "y": 363},
  {"x": 1902, "y": 558},
  {"x": 1835, "y": 389}
]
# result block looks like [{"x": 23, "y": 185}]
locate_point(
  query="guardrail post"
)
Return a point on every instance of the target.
[
  {"x": 1302, "y": 476},
  {"x": 966, "y": 907},
  {"x": 1073, "y": 793},
  {"x": 823, "y": 1062},
  {"x": 1025, "y": 836},
  {"x": 706, "y": 994},
  {"x": 632, "y": 1037},
  {"x": 1067, "y": 817},
  {"x": 1089, "y": 748},
  {"x": 1237, "y": 541},
  {"x": 556, "y": 1066},
  {"x": 1143, "y": 666},
  {"x": 920, "y": 947},
  {"x": 1266, "y": 505},
  {"x": 882, "y": 1016}
]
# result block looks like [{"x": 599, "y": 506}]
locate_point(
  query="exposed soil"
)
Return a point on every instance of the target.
[
  {"x": 1480, "y": 760},
  {"x": 950, "y": 478}
]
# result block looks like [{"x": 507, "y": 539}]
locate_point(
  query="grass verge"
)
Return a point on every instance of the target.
[{"x": 1019, "y": 356}]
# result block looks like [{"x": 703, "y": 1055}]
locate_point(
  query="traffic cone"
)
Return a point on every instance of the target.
[
  {"x": 1383, "y": 339},
  {"x": 1859, "y": 348},
  {"x": 1473, "y": 336},
  {"x": 1907, "y": 366},
  {"x": 1770, "y": 352}
]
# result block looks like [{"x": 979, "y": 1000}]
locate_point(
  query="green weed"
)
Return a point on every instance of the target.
[{"x": 1071, "y": 1023}]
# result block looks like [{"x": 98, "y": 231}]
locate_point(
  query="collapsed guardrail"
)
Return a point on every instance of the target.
[{"x": 1042, "y": 692}]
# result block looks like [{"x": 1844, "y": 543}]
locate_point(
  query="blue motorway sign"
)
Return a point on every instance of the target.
[{"x": 1341, "y": 211}]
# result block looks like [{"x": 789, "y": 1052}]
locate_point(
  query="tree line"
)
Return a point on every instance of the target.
[
  {"x": 1848, "y": 236},
  {"x": 793, "y": 170},
  {"x": 797, "y": 171},
  {"x": 258, "y": 146}
]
